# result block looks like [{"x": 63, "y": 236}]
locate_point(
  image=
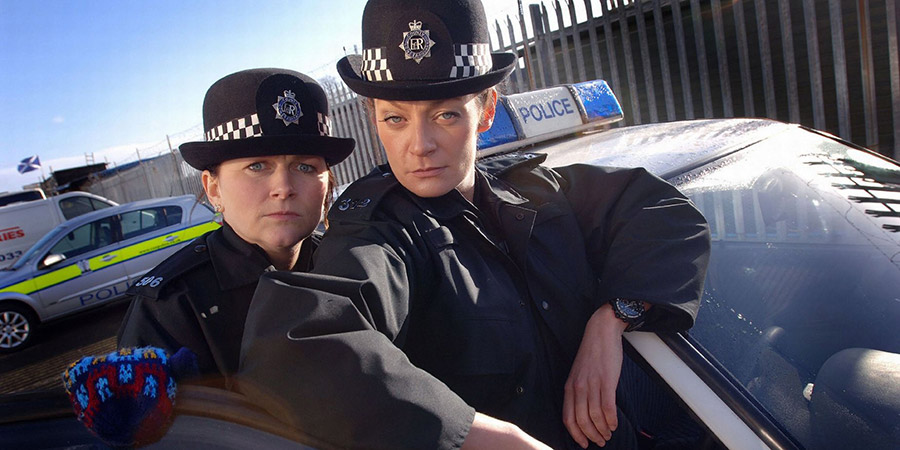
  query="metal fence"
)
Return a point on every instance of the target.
[
  {"x": 833, "y": 65},
  {"x": 828, "y": 64},
  {"x": 350, "y": 119},
  {"x": 163, "y": 176}
]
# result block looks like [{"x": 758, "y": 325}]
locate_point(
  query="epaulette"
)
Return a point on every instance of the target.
[
  {"x": 497, "y": 165},
  {"x": 183, "y": 261},
  {"x": 360, "y": 200}
]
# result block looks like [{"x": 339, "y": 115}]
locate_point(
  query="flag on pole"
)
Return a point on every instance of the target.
[{"x": 29, "y": 164}]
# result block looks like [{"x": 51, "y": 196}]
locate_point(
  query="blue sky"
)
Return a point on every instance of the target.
[{"x": 110, "y": 77}]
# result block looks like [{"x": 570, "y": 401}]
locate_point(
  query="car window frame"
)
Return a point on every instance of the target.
[{"x": 116, "y": 241}]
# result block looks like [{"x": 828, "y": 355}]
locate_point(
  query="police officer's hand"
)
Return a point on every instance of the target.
[
  {"x": 589, "y": 406},
  {"x": 495, "y": 434}
]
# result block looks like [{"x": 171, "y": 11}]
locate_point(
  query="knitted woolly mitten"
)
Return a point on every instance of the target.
[{"x": 126, "y": 397}]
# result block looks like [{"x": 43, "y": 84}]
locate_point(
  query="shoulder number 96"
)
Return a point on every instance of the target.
[{"x": 149, "y": 281}]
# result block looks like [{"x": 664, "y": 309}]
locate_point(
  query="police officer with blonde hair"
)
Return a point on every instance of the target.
[{"x": 461, "y": 304}]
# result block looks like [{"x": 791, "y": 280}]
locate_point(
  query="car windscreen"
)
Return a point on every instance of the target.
[
  {"x": 19, "y": 197},
  {"x": 75, "y": 206},
  {"x": 805, "y": 267},
  {"x": 51, "y": 235}
]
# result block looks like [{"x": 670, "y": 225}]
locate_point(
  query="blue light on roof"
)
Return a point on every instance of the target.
[
  {"x": 598, "y": 100},
  {"x": 531, "y": 117},
  {"x": 501, "y": 131}
]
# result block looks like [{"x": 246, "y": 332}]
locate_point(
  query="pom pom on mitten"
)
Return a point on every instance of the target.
[{"x": 126, "y": 397}]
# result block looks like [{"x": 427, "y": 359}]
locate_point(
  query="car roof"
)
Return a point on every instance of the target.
[
  {"x": 665, "y": 149},
  {"x": 118, "y": 209}
]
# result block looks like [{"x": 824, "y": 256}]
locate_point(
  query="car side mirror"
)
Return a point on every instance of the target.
[{"x": 52, "y": 259}]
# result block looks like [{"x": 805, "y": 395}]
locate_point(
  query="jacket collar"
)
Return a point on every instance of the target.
[
  {"x": 238, "y": 263},
  {"x": 490, "y": 192}
]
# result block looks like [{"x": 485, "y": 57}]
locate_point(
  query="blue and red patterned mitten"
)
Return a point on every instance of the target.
[{"x": 127, "y": 397}]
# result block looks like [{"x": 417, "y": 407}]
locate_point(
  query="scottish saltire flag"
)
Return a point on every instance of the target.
[{"x": 29, "y": 164}]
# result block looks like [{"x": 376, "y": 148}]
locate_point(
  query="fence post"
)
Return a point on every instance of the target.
[
  {"x": 564, "y": 41},
  {"x": 868, "y": 75},
  {"x": 551, "y": 48},
  {"x": 528, "y": 68},
  {"x": 660, "y": 28},
  {"x": 893, "y": 21},
  {"x": 790, "y": 68},
  {"x": 592, "y": 37},
  {"x": 629, "y": 65},
  {"x": 765, "y": 54},
  {"x": 815, "y": 65},
  {"x": 357, "y": 124},
  {"x": 522, "y": 81},
  {"x": 538, "y": 28},
  {"x": 840, "y": 68},
  {"x": 645, "y": 59},
  {"x": 686, "y": 93},
  {"x": 700, "y": 43},
  {"x": 722, "y": 56},
  {"x": 743, "y": 58}
]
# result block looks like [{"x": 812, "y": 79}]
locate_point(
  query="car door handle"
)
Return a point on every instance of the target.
[
  {"x": 171, "y": 238},
  {"x": 108, "y": 258}
]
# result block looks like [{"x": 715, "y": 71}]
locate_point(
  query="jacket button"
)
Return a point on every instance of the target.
[
  {"x": 545, "y": 305},
  {"x": 520, "y": 390},
  {"x": 520, "y": 216},
  {"x": 200, "y": 248}
]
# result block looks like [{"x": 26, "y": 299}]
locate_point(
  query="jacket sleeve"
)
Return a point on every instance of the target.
[
  {"x": 321, "y": 352},
  {"x": 645, "y": 240}
]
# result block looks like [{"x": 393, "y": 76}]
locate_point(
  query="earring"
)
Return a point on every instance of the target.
[{"x": 218, "y": 208}]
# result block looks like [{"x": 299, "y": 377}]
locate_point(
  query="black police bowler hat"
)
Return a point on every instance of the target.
[
  {"x": 424, "y": 50},
  {"x": 262, "y": 112}
]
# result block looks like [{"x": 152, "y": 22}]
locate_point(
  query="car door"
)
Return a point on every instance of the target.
[
  {"x": 151, "y": 235},
  {"x": 89, "y": 274}
]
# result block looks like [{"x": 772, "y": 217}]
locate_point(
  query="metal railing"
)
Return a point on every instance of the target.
[{"x": 833, "y": 65}]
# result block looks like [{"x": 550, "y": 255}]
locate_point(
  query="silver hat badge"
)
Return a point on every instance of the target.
[
  {"x": 287, "y": 108},
  {"x": 416, "y": 42}
]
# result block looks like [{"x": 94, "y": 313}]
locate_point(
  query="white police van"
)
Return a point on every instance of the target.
[
  {"x": 93, "y": 259},
  {"x": 24, "y": 221}
]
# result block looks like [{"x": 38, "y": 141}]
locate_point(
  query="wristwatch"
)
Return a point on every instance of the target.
[{"x": 629, "y": 311}]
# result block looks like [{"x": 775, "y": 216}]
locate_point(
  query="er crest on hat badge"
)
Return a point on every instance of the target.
[
  {"x": 416, "y": 42},
  {"x": 287, "y": 108}
]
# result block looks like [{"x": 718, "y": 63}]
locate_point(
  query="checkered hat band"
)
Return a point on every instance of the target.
[
  {"x": 375, "y": 65},
  {"x": 471, "y": 60},
  {"x": 247, "y": 127},
  {"x": 242, "y": 128},
  {"x": 324, "y": 124}
]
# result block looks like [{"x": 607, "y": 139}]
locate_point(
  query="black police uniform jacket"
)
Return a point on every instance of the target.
[
  {"x": 420, "y": 309},
  {"x": 198, "y": 298}
]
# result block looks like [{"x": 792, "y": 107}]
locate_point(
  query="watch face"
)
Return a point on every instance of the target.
[{"x": 631, "y": 309}]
